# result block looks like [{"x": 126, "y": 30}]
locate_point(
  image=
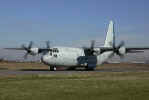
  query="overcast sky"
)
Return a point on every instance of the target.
[{"x": 72, "y": 22}]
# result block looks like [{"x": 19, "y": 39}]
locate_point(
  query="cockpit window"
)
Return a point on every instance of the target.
[
  {"x": 55, "y": 50},
  {"x": 55, "y": 55}
]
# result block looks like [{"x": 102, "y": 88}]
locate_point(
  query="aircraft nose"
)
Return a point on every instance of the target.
[{"x": 44, "y": 59}]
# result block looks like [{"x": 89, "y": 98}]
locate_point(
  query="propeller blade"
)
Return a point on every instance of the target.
[
  {"x": 30, "y": 45},
  {"x": 27, "y": 49},
  {"x": 24, "y": 47},
  {"x": 25, "y": 56},
  {"x": 48, "y": 44},
  {"x": 89, "y": 51},
  {"x": 92, "y": 44},
  {"x": 122, "y": 43},
  {"x": 120, "y": 55},
  {"x": 117, "y": 48}
]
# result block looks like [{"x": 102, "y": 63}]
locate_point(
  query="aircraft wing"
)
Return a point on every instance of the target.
[
  {"x": 14, "y": 48},
  {"x": 127, "y": 49},
  {"x": 136, "y": 49},
  {"x": 40, "y": 49}
]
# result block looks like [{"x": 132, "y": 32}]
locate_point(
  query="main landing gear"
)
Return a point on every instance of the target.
[{"x": 53, "y": 68}]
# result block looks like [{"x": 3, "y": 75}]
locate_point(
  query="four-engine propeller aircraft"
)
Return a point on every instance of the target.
[{"x": 88, "y": 57}]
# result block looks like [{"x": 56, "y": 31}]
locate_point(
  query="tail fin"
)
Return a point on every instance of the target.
[{"x": 110, "y": 38}]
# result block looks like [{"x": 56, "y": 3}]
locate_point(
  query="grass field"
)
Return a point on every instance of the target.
[
  {"x": 90, "y": 86},
  {"x": 37, "y": 65}
]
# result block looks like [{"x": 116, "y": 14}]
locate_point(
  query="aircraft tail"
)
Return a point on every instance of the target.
[{"x": 110, "y": 38}]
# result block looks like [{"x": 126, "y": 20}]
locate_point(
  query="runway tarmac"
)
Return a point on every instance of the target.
[{"x": 5, "y": 72}]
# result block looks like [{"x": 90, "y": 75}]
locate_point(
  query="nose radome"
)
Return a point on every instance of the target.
[{"x": 44, "y": 59}]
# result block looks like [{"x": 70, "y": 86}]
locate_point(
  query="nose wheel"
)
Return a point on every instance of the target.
[{"x": 52, "y": 68}]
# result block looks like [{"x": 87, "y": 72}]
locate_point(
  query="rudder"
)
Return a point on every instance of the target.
[{"x": 110, "y": 38}]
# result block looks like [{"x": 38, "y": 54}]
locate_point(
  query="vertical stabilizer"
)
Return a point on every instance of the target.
[{"x": 110, "y": 38}]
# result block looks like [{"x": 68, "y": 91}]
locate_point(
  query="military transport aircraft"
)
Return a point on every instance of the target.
[{"x": 88, "y": 57}]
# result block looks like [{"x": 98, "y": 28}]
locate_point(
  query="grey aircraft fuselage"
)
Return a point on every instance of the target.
[{"x": 68, "y": 56}]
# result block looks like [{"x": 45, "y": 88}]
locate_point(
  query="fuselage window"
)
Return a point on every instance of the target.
[
  {"x": 56, "y": 50},
  {"x": 55, "y": 55}
]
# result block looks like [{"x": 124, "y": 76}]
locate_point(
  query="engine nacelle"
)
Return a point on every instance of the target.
[
  {"x": 122, "y": 50},
  {"x": 97, "y": 51},
  {"x": 34, "y": 51}
]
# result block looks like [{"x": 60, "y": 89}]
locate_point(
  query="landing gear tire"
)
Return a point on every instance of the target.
[{"x": 51, "y": 68}]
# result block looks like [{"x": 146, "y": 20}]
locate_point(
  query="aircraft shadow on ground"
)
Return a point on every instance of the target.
[
  {"x": 49, "y": 70},
  {"x": 3, "y": 68},
  {"x": 97, "y": 70},
  {"x": 33, "y": 70}
]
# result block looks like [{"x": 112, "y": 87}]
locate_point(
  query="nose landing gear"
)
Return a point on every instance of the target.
[{"x": 52, "y": 68}]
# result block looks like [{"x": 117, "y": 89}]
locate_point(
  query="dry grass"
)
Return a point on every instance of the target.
[
  {"x": 78, "y": 86},
  {"x": 22, "y": 65},
  {"x": 90, "y": 86}
]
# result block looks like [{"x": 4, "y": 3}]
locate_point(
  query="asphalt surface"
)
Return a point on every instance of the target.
[{"x": 5, "y": 72}]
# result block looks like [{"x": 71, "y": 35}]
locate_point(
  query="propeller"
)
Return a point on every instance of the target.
[
  {"x": 92, "y": 44},
  {"x": 48, "y": 44},
  {"x": 89, "y": 51},
  {"x": 47, "y": 48},
  {"x": 27, "y": 49},
  {"x": 117, "y": 49}
]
